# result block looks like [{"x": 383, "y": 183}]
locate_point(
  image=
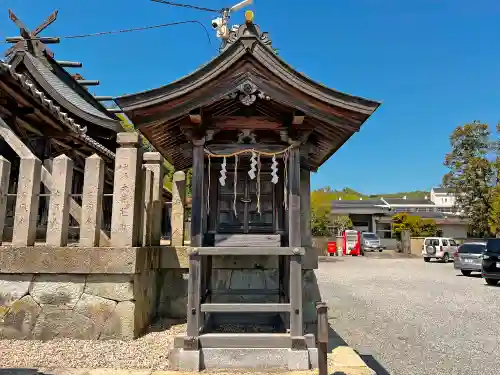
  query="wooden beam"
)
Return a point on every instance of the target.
[
  {"x": 195, "y": 119},
  {"x": 253, "y": 122},
  {"x": 43, "y": 39},
  {"x": 298, "y": 118},
  {"x": 247, "y": 251},
  {"x": 19, "y": 98},
  {"x": 244, "y": 307},
  {"x": 69, "y": 64},
  {"x": 21, "y": 122},
  {"x": 88, "y": 82},
  {"x": 103, "y": 98}
]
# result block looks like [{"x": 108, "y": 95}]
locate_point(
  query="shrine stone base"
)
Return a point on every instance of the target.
[{"x": 243, "y": 358}]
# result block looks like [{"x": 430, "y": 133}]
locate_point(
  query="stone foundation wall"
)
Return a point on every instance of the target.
[
  {"x": 75, "y": 292},
  {"x": 43, "y": 307}
]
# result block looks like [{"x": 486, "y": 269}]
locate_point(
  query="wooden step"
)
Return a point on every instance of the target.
[
  {"x": 222, "y": 250},
  {"x": 248, "y": 240},
  {"x": 244, "y": 307}
]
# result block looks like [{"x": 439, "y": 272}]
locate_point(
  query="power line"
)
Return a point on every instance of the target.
[
  {"x": 102, "y": 33},
  {"x": 187, "y": 6}
]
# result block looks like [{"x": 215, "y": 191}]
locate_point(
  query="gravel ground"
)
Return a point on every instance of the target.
[
  {"x": 413, "y": 318},
  {"x": 149, "y": 351}
]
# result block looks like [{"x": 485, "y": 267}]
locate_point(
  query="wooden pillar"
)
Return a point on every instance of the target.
[
  {"x": 194, "y": 316},
  {"x": 197, "y": 193},
  {"x": 295, "y": 240},
  {"x": 305, "y": 207},
  {"x": 194, "y": 295}
]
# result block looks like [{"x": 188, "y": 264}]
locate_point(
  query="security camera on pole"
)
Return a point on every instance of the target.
[{"x": 219, "y": 24}]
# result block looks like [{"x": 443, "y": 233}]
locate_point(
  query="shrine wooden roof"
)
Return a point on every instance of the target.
[
  {"x": 36, "y": 113},
  {"x": 66, "y": 91},
  {"x": 33, "y": 114},
  {"x": 247, "y": 87}
]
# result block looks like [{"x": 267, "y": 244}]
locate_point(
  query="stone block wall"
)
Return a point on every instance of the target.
[
  {"x": 82, "y": 293},
  {"x": 172, "y": 293},
  {"x": 46, "y": 306}
]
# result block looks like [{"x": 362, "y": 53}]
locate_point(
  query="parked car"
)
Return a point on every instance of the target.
[
  {"x": 490, "y": 267},
  {"x": 370, "y": 242},
  {"x": 441, "y": 248},
  {"x": 469, "y": 256}
]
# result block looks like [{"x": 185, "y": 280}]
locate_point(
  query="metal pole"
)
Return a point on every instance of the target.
[{"x": 322, "y": 337}]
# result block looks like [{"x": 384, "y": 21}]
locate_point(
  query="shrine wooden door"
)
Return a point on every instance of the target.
[{"x": 247, "y": 218}]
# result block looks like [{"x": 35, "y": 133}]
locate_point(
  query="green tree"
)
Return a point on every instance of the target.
[
  {"x": 473, "y": 173},
  {"x": 428, "y": 228},
  {"x": 494, "y": 219},
  {"x": 320, "y": 223},
  {"x": 321, "y": 212},
  {"x": 403, "y": 221},
  {"x": 341, "y": 223}
]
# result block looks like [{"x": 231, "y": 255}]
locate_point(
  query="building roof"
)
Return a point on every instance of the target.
[
  {"x": 23, "y": 84},
  {"x": 29, "y": 88},
  {"x": 66, "y": 91},
  {"x": 358, "y": 203},
  {"x": 442, "y": 190},
  {"x": 279, "y": 91},
  {"x": 428, "y": 215},
  {"x": 408, "y": 202}
]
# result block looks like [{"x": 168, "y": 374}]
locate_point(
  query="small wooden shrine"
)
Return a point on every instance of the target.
[{"x": 252, "y": 129}]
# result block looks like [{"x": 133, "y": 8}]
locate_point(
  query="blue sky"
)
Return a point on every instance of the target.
[{"x": 433, "y": 63}]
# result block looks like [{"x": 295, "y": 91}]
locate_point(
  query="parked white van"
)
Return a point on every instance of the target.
[{"x": 441, "y": 248}]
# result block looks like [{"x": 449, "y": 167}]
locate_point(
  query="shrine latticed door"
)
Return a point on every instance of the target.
[{"x": 247, "y": 218}]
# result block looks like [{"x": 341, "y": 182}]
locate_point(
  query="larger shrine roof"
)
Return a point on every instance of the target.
[
  {"x": 68, "y": 97},
  {"x": 247, "y": 59}
]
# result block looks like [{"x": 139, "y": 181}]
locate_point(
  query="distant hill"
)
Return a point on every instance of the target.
[
  {"x": 322, "y": 198},
  {"x": 409, "y": 194},
  {"x": 351, "y": 194}
]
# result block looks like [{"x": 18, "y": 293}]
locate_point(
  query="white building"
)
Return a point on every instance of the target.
[{"x": 444, "y": 199}]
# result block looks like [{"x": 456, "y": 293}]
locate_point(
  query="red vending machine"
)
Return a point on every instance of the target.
[{"x": 352, "y": 242}]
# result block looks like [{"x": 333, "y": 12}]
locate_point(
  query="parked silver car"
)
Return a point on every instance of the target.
[
  {"x": 468, "y": 257},
  {"x": 370, "y": 242}
]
